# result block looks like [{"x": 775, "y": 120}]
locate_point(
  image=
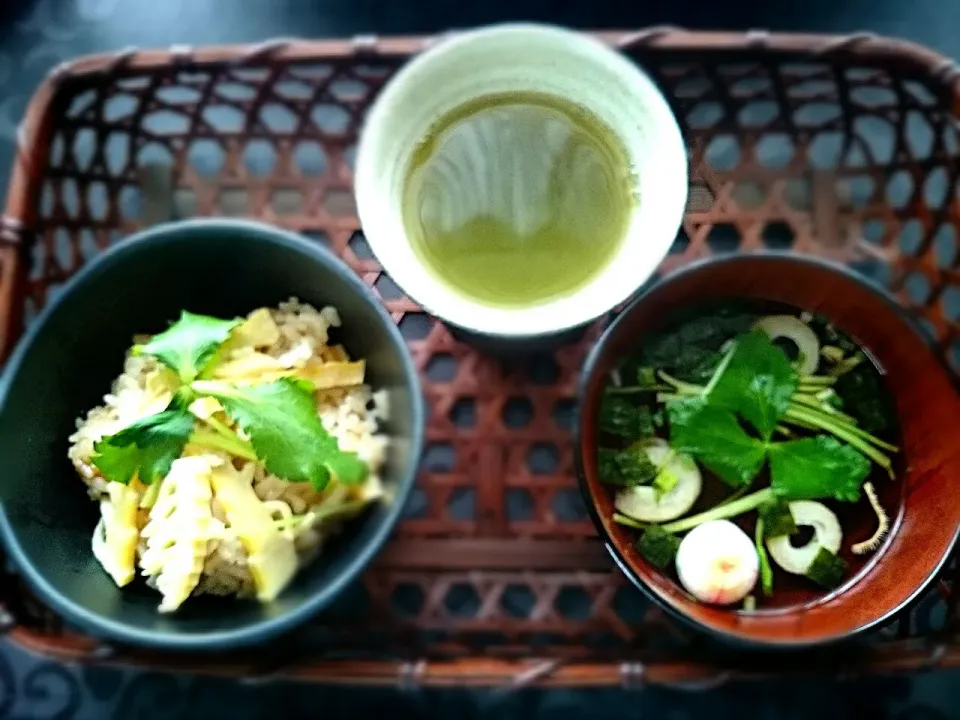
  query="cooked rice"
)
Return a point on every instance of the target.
[{"x": 352, "y": 415}]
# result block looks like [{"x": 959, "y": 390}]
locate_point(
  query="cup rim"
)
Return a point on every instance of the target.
[{"x": 505, "y": 322}]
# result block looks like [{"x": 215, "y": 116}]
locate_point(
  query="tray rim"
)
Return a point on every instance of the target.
[
  {"x": 480, "y": 672},
  {"x": 17, "y": 225}
]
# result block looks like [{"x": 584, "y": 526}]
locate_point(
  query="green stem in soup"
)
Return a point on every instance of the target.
[
  {"x": 679, "y": 386},
  {"x": 766, "y": 572},
  {"x": 622, "y": 519},
  {"x": 842, "y": 368},
  {"x": 813, "y": 402},
  {"x": 785, "y": 431},
  {"x": 722, "y": 512},
  {"x": 735, "y": 495},
  {"x": 838, "y": 421},
  {"x": 638, "y": 389},
  {"x": 820, "y": 381}
]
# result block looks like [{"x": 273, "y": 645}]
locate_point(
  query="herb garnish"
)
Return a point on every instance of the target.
[
  {"x": 704, "y": 422},
  {"x": 817, "y": 467},
  {"x": 146, "y": 448},
  {"x": 736, "y": 404},
  {"x": 188, "y": 346},
  {"x": 715, "y": 437},
  {"x": 757, "y": 382},
  {"x": 279, "y": 417}
]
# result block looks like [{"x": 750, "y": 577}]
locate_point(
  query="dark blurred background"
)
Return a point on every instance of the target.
[
  {"x": 35, "y": 35},
  {"x": 78, "y": 26}
]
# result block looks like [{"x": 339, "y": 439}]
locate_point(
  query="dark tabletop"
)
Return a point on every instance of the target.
[{"x": 37, "y": 34}]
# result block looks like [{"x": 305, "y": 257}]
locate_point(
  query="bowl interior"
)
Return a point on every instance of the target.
[
  {"x": 521, "y": 58},
  {"x": 924, "y": 504},
  {"x": 67, "y": 364}
]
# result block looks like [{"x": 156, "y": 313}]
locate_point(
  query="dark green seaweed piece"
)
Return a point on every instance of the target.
[
  {"x": 827, "y": 570},
  {"x": 621, "y": 417},
  {"x": 777, "y": 519},
  {"x": 692, "y": 350},
  {"x": 659, "y": 548},
  {"x": 625, "y": 468},
  {"x": 864, "y": 397}
]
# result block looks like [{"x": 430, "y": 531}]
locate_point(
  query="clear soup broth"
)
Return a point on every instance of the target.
[{"x": 689, "y": 346}]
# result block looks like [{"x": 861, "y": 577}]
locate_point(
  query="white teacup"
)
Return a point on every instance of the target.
[{"x": 525, "y": 58}]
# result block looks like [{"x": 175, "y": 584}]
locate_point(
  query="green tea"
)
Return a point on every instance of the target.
[{"x": 518, "y": 198}]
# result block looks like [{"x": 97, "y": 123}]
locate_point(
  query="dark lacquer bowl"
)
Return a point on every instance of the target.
[
  {"x": 67, "y": 362},
  {"x": 924, "y": 500}
]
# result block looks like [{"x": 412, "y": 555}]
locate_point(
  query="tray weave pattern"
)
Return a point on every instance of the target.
[{"x": 842, "y": 147}]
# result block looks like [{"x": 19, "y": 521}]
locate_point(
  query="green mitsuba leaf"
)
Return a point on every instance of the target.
[
  {"x": 766, "y": 570},
  {"x": 715, "y": 437},
  {"x": 281, "y": 420},
  {"x": 147, "y": 448},
  {"x": 757, "y": 382},
  {"x": 190, "y": 344},
  {"x": 817, "y": 467}
]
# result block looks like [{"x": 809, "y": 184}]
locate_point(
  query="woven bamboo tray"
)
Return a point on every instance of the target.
[{"x": 845, "y": 147}]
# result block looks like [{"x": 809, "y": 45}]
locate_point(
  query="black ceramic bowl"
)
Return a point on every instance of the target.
[{"x": 67, "y": 362}]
